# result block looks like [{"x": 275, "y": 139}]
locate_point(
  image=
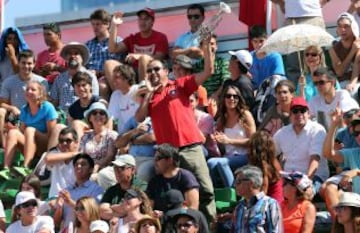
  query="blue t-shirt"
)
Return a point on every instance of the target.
[
  {"x": 352, "y": 160},
  {"x": 265, "y": 67},
  {"x": 39, "y": 121},
  {"x": 186, "y": 41},
  {"x": 345, "y": 137},
  {"x": 145, "y": 150}
]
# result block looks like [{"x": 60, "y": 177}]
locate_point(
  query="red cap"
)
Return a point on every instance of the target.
[
  {"x": 150, "y": 12},
  {"x": 298, "y": 102}
]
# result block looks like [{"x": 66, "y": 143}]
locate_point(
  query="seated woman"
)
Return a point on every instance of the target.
[
  {"x": 86, "y": 210},
  {"x": 347, "y": 213},
  {"x": 298, "y": 212},
  {"x": 136, "y": 205},
  {"x": 37, "y": 119},
  {"x": 100, "y": 142},
  {"x": 26, "y": 218},
  {"x": 279, "y": 115},
  {"x": 262, "y": 153},
  {"x": 234, "y": 127}
]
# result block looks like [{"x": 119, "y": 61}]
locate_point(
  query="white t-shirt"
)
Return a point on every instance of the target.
[
  {"x": 297, "y": 148},
  {"x": 62, "y": 176},
  {"x": 123, "y": 107},
  {"x": 320, "y": 109},
  {"x": 40, "y": 223},
  {"x": 302, "y": 8},
  {"x": 2, "y": 211}
]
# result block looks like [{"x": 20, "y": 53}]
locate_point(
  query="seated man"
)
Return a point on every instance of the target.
[
  {"x": 345, "y": 53},
  {"x": 12, "y": 94},
  {"x": 124, "y": 168},
  {"x": 170, "y": 176},
  {"x": 141, "y": 47},
  {"x": 83, "y": 167},
  {"x": 62, "y": 92},
  {"x": 58, "y": 161},
  {"x": 49, "y": 63},
  {"x": 348, "y": 180}
]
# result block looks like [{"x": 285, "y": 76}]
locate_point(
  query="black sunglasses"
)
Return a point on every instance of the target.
[
  {"x": 102, "y": 113},
  {"x": 28, "y": 204},
  {"x": 193, "y": 17},
  {"x": 228, "y": 96},
  {"x": 321, "y": 82},
  {"x": 66, "y": 140},
  {"x": 156, "y": 69},
  {"x": 355, "y": 133},
  {"x": 311, "y": 54},
  {"x": 297, "y": 110},
  {"x": 185, "y": 225},
  {"x": 239, "y": 181},
  {"x": 79, "y": 208}
]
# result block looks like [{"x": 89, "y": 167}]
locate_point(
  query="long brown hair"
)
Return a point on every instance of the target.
[
  {"x": 262, "y": 153},
  {"x": 221, "y": 114},
  {"x": 355, "y": 216}
]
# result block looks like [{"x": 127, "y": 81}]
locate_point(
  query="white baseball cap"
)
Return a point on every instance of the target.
[
  {"x": 23, "y": 197},
  {"x": 99, "y": 225},
  {"x": 244, "y": 57}
]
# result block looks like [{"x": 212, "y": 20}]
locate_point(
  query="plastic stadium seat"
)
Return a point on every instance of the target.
[{"x": 225, "y": 199}]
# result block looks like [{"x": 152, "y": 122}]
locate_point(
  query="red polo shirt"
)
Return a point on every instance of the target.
[{"x": 171, "y": 114}]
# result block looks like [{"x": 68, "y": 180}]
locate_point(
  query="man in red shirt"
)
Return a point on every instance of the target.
[
  {"x": 141, "y": 46},
  {"x": 168, "y": 105}
]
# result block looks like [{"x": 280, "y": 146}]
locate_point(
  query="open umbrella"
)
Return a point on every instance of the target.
[{"x": 295, "y": 38}]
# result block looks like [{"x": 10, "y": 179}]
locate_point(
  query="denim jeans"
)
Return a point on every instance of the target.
[{"x": 224, "y": 167}]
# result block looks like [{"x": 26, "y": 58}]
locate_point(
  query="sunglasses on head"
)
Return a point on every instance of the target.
[
  {"x": 311, "y": 54},
  {"x": 228, "y": 96},
  {"x": 320, "y": 82},
  {"x": 298, "y": 110},
  {"x": 101, "y": 113},
  {"x": 156, "y": 69},
  {"x": 193, "y": 17},
  {"x": 28, "y": 204}
]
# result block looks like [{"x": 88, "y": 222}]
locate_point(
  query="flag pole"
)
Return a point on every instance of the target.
[{"x": 268, "y": 17}]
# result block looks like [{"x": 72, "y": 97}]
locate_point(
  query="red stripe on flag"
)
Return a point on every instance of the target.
[{"x": 253, "y": 12}]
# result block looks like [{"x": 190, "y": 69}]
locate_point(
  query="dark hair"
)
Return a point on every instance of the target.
[
  {"x": 86, "y": 157},
  {"x": 27, "y": 53},
  {"x": 54, "y": 27},
  {"x": 196, "y": 7},
  {"x": 34, "y": 182},
  {"x": 286, "y": 83},
  {"x": 164, "y": 63},
  {"x": 70, "y": 130},
  {"x": 79, "y": 77},
  {"x": 355, "y": 215},
  {"x": 257, "y": 31},
  {"x": 168, "y": 151},
  {"x": 242, "y": 68},
  {"x": 221, "y": 114},
  {"x": 102, "y": 15},
  {"x": 127, "y": 72},
  {"x": 325, "y": 71}
]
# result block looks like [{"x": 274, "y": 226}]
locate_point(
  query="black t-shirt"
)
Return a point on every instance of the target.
[
  {"x": 245, "y": 87},
  {"x": 77, "y": 112},
  {"x": 184, "y": 180}
]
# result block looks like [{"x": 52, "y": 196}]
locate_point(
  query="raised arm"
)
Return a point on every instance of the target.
[
  {"x": 115, "y": 47},
  {"x": 208, "y": 63}
]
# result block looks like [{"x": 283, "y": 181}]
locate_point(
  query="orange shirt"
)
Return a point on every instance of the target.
[{"x": 293, "y": 218}]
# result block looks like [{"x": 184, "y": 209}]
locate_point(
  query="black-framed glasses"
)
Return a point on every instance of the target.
[
  {"x": 320, "y": 82},
  {"x": 355, "y": 133},
  {"x": 185, "y": 225},
  {"x": 229, "y": 96},
  {"x": 156, "y": 69},
  {"x": 65, "y": 140},
  {"x": 193, "y": 17},
  {"x": 299, "y": 110},
  {"x": 28, "y": 204},
  {"x": 101, "y": 113},
  {"x": 239, "y": 181},
  {"x": 311, "y": 54},
  {"x": 79, "y": 208}
]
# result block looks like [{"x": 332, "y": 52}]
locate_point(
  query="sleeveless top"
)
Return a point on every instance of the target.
[
  {"x": 293, "y": 219},
  {"x": 122, "y": 228},
  {"x": 342, "y": 52},
  {"x": 236, "y": 132}
]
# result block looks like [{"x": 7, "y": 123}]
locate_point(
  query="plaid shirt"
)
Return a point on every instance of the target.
[
  {"x": 99, "y": 53},
  {"x": 261, "y": 214},
  {"x": 63, "y": 92}
]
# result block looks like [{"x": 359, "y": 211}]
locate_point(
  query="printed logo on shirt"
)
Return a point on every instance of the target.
[{"x": 149, "y": 49}]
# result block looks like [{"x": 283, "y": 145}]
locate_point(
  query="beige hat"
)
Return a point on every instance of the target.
[
  {"x": 145, "y": 218},
  {"x": 84, "y": 51},
  {"x": 99, "y": 225},
  {"x": 123, "y": 160},
  {"x": 349, "y": 199}
]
